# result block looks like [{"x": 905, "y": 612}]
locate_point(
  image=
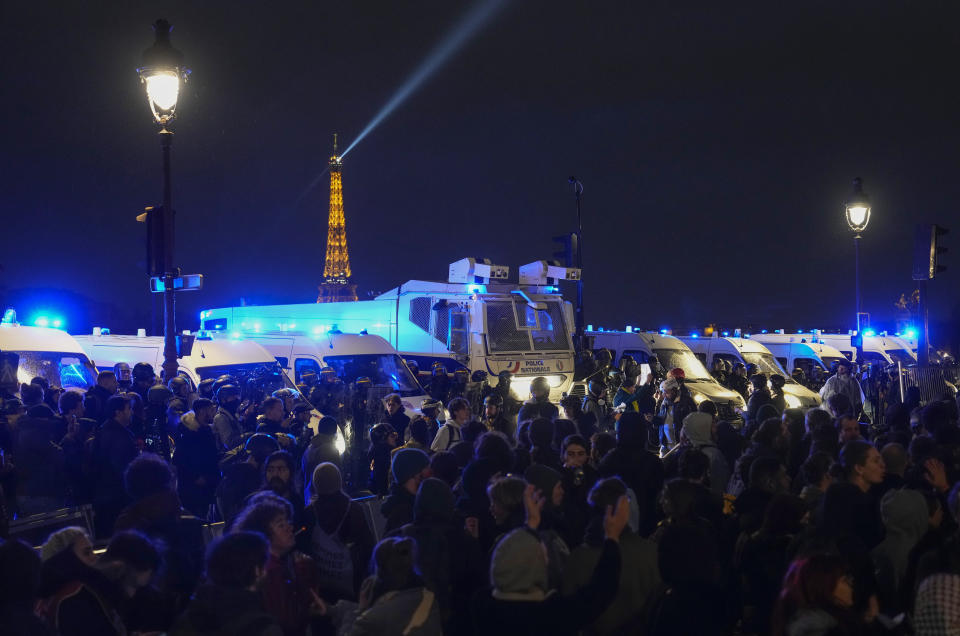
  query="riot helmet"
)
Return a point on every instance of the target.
[{"x": 539, "y": 387}]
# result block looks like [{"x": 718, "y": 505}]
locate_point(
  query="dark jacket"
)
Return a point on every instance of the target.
[
  {"x": 196, "y": 459},
  {"x": 399, "y": 421},
  {"x": 79, "y": 600},
  {"x": 322, "y": 449},
  {"x": 642, "y": 471},
  {"x": 397, "y": 507},
  {"x": 224, "y": 611},
  {"x": 111, "y": 450},
  {"x": 178, "y": 534},
  {"x": 39, "y": 460},
  {"x": 95, "y": 403},
  {"x": 556, "y": 614},
  {"x": 757, "y": 399},
  {"x": 532, "y": 409}
]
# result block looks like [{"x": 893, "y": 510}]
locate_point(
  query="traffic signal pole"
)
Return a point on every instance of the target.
[{"x": 169, "y": 307}]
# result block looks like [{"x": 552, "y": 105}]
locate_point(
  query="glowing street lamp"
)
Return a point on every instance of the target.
[
  {"x": 162, "y": 74},
  {"x": 858, "y": 215},
  {"x": 858, "y": 208}
]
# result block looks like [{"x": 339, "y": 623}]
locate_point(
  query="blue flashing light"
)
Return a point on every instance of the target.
[
  {"x": 763, "y": 331},
  {"x": 9, "y": 316},
  {"x": 664, "y": 331},
  {"x": 477, "y": 289},
  {"x": 57, "y": 323},
  {"x": 869, "y": 333},
  {"x": 589, "y": 327},
  {"x": 910, "y": 333},
  {"x": 41, "y": 321},
  {"x": 799, "y": 330},
  {"x": 726, "y": 334},
  {"x": 629, "y": 329},
  {"x": 292, "y": 325},
  {"x": 235, "y": 335},
  {"x": 256, "y": 327},
  {"x": 694, "y": 335}
]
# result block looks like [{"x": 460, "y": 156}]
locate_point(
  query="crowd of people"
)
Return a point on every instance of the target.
[{"x": 644, "y": 513}]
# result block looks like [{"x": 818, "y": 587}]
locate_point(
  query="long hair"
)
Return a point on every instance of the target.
[{"x": 808, "y": 584}]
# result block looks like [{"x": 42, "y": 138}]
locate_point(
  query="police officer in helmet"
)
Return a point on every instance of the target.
[{"x": 539, "y": 404}]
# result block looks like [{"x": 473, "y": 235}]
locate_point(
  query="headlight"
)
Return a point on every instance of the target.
[
  {"x": 698, "y": 398},
  {"x": 793, "y": 402},
  {"x": 555, "y": 380},
  {"x": 520, "y": 387}
]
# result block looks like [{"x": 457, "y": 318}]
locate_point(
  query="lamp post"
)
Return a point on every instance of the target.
[
  {"x": 858, "y": 215},
  {"x": 161, "y": 75}
]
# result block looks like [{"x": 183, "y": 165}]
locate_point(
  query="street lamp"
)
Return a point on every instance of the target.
[
  {"x": 162, "y": 74},
  {"x": 858, "y": 215}
]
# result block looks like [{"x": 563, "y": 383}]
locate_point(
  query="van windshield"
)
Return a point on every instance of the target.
[
  {"x": 693, "y": 369},
  {"x": 383, "y": 369},
  {"x": 767, "y": 365},
  {"x": 515, "y": 326},
  {"x": 268, "y": 376},
  {"x": 66, "y": 370},
  {"x": 901, "y": 356}
]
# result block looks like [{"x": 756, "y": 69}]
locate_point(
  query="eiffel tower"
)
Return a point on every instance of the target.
[{"x": 336, "y": 286}]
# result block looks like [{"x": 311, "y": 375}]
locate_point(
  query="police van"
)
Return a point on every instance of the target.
[
  {"x": 876, "y": 348},
  {"x": 43, "y": 352},
  {"x": 672, "y": 353},
  {"x": 210, "y": 357},
  {"x": 749, "y": 351},
  {"x": 350, "y": 356},
  {"x": 799, "y": 351},
  {"x": 476, "y": 318}
]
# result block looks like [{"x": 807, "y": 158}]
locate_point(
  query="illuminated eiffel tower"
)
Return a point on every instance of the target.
[{"x": 336, "y": 284}]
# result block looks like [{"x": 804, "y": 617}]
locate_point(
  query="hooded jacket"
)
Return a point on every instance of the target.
[
  {"x": 904, "y": 513},
  {"x": 698, "y": 429},
  {"x": 521, "y": 603},
  {"x": 195, "y": 458}
]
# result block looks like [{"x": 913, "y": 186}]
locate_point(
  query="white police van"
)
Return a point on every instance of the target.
[
  {"x": 44, "y": 352},
  {"x": 799, "y": 351},
  {"x": 749, "y": 351},
  {"x": 349, "y": 355},
  {"x": 672, "y": 353}
]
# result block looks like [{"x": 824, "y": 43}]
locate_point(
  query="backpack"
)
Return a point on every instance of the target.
[{"x": 334, "y": 560}]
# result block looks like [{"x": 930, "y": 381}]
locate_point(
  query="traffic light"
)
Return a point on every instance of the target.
[
  {"x": 153, "y": 216},
  {"x": 928, "y": 251},
  {"x": 937, "y": 250},
  {"x": 568, "y": 244}
]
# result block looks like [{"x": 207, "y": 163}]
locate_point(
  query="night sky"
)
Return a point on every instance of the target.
[{"x": 716, "y": 143}]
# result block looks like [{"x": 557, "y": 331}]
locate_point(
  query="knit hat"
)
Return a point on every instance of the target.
[
  {"x": 518, "y": 570},
  {"x": 697, "y": 428},
  {"x": 434, "y": 502},
  {"x": 543, "y": 478},
  {"x": 407, "y": 463},
  {"x": 60, "y": 541},
  {"x": 326, "y": 479}
]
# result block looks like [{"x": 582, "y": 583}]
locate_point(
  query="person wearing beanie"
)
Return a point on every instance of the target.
[
  {"x": 522, "y": 601},
  {"x": 640, "y": 469},
  {"x": 448, "y": 555},
  {"x": 72, "y": 537},
  {"x": 332, "y": 515},
  {"x": 698, "y": 434},
  {"x": 410, "y": 466}
]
